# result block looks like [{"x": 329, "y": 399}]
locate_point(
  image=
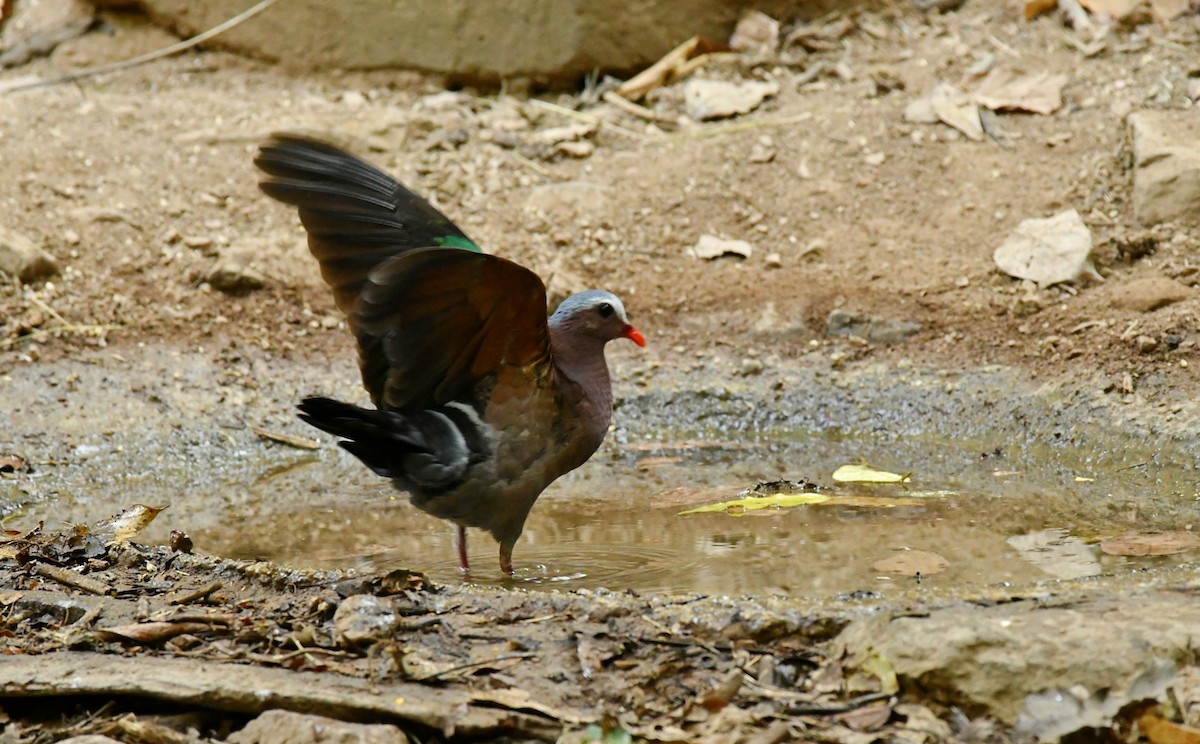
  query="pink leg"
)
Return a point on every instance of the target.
[
  {"x": 506, "y": 559},
  {"x": 464, "y": 564}
]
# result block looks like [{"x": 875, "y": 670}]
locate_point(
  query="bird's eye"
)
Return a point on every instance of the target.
[{"x": 605, "y": 310}]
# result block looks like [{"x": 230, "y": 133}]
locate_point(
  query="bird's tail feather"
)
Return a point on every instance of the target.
[{"x": 426, "y": 449}]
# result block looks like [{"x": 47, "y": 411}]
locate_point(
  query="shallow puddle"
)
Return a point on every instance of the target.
[
  {"x": 1016, "y": 514},
  {"x": 1006, "y": 486}
]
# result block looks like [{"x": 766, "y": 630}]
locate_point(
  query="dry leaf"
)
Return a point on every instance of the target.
[
  {"x": 129, "y": 522},
  {"x": 1167, "y": 10},
  {"x": 1145, "y": 543},
  {"x": 868, "y": 474},
  {"x": 153, "y": 632},
  {"x": 1007, "y": 89},
  {"x": 1035, "y": 8},
  {"x": 1116, "y": 9},
  {"x": 778, "y": 501},
  {"x": 913, "y": 562},
  {"x": 1161, "y": 731},
  {"x": 718, "y": 697}
]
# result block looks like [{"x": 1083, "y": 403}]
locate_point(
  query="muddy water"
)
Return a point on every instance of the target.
[
  {"x": 1025, "y": 482},
  {"x": 1012, "y": 516}
]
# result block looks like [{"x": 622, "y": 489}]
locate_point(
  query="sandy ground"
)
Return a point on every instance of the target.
[{"x": 140, "y": 183}]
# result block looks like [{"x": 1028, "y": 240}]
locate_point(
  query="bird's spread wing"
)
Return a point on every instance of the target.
[
  {"x": 434, "y": 322},
  {"x": 357, "y": 216}
]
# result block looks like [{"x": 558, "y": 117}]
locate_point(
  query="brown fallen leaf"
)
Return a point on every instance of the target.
[
  {"x": 1035, "y": 8},
  {"x": 1146, "y": 543},
  {"x": 913, "y": 562},
  {"x": 1007, "y": 89},
  {"x": 719, "y": 696},
  {"x": 153, "y": 632},
  {"x": 1161, "y": 731}
]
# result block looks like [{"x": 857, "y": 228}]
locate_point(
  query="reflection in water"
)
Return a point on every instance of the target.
[{"x": 615, "y": 523}]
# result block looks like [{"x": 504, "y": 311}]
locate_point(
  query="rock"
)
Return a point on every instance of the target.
[
  {"x": 22, "y": 258},
  {"x": 711, "y": 247},
  {"x": 1048, "y": 251},
  {"x": 472, "y": 41},
  {"x": 1145, "y": 295},
  {"x": 949, "y": 105},
  {"x": 286, "y": 727},
  {"x": 756, "y": 33},
  {"x": 581, "y": 149},
  {"x": 750, "y": 367},
  {"x": 364, "y": 619},
  {"x": 234, "y": 274},
  {"x": 717, "y": 99},
  {"x": 990, "y": 658},
  {"x": 774, "y": 261},
  {"x": 1166, "y": 166},
  {"x": 36, "y": 28},
  {"x": 870, "y": 327}
]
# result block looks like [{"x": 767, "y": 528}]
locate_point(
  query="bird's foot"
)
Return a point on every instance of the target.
[
  {"x": 506, "y": 560},
  {"x": 464, "y": 563}
]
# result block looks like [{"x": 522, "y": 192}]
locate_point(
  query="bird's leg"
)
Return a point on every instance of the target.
[
  {"x": 506, "y": 558},
  {"x": 460, "y": 540}
]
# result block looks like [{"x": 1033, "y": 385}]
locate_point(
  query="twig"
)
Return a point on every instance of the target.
[
  {"x": 47, "y": 309},
  {"x": 636, "y": 109},
  {"x": 536, "y": 167},
  {"x": 743, "y": 126},
  {"x": 72, "y": 579},
  {"x": 200, "y": 593},
  {"x": 290, "y": 440},
  {"x": 584, "y": 117},
  {"x": 831, "y": 710},
  {"x": 89, "y": 617},
  {"x": 58, "y": 331},
  {"x": 461, "y": 667},
  {"x": 143, "y": 58}
]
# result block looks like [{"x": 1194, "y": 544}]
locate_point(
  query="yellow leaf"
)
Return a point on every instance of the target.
[
  {"x": 868, "y": 502},
  {"x": 778, "y": 501},
  {"x": 129, "y": 522},
  {"x": 867, "y": 474},
  {"x": 881, "y": 669}
]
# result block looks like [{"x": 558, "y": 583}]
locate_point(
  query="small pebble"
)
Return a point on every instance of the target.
[
  {"x": 1145, "y": 344},
  {"x": 774, "y": 261},
  {"x": 750, "y": 367}
]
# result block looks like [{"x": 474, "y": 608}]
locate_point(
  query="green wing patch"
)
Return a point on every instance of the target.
[{"x": 457, "y": 241}]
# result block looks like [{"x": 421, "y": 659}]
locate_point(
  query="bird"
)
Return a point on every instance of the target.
[{"x": 480, "y": 400}]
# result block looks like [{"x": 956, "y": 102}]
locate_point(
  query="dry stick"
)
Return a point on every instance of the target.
[
  {"x": 149, "y": 56},
  {"x": 200, "y": 593},
  {"x": 742, "y": 126},
  {"x": 830, "y": 710},
  {"x": 463, "y": 667},
  {"x": 70, "y": 578},
  {"x": 636, "y": 109}
]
